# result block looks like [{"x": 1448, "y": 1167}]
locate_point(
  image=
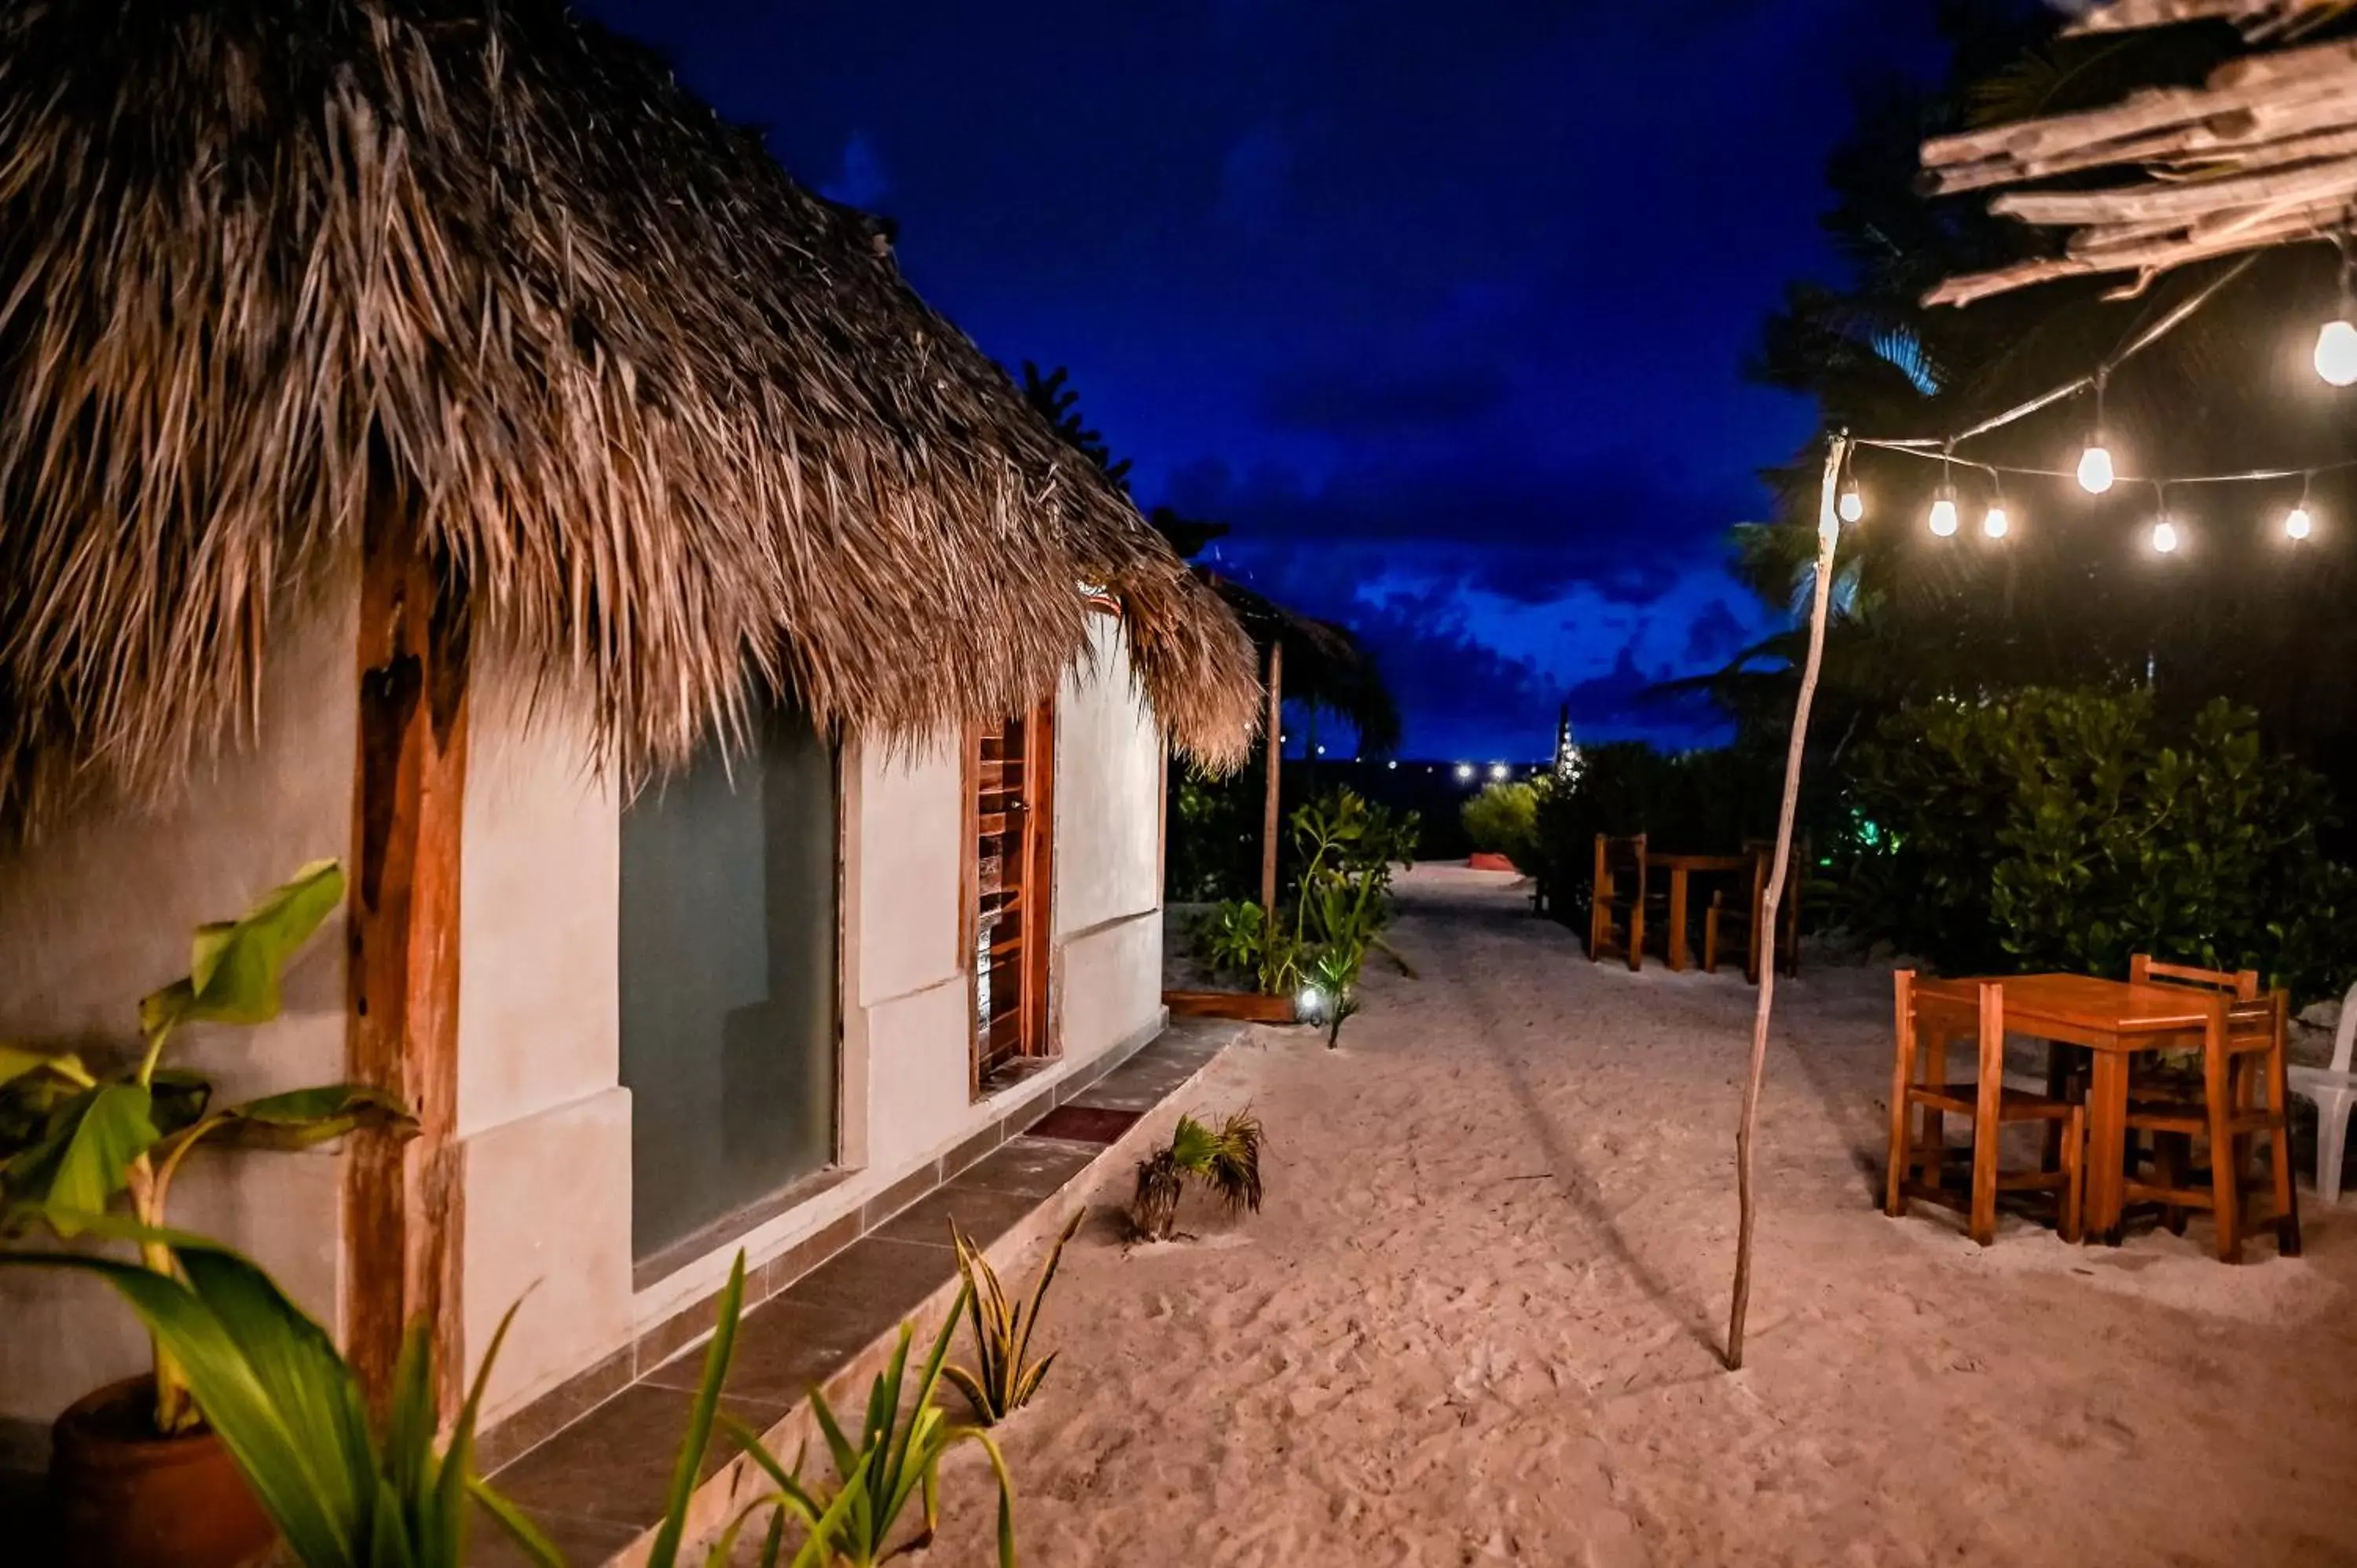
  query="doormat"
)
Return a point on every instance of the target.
[{"x": 1085, "y": 1123}]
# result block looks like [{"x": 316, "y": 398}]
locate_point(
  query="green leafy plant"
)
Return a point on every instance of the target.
[
  {"x": 73, "y": 1138},
  {"x": 1225, "y": 1159},
  {"x": 2072, "y": 829},
  {"x": 1332, "y": 982},
  {"x": 1236, "y": 939},
  {"x": 897, "y": 1457},
  {"x": 1005, "y": 1377},
  {"x": 1504, "y": 820},
  {"x": 290, "y": 1411}
]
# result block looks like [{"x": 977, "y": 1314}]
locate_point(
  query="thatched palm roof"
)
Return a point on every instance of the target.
[{"x": 675, "y": 427}]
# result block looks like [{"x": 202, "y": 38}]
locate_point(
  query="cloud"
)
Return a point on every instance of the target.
[
  {"x": 1354, "y": 400},
  {"x": 1520, "y": 529},
  {"x": 1716, "y": 635},
  {"x": 859, "y": 180}
]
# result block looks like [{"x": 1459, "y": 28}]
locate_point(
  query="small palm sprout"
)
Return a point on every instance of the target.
[
  {"x": 1001, "y": 1383},
  {"x": 1227, "y": 1161}
]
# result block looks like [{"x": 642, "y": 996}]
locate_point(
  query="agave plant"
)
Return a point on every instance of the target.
[
  {"x": 287, "y": 1407},
  {"x": 895, "y": 1459},
  {"x": 1226, "y": 1160},
  {"x": 1003, "y": 1381},
  {"x": 74, "y": 1140}
]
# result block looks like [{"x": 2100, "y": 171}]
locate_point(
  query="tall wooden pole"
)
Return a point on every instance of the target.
[
  {"x": 1276, "y": 743},
  {"x": 403, "y": 1203},
  {"x": 1829, "y": 535}
]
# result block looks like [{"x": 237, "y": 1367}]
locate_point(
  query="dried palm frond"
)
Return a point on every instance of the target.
[
  {"x": 675, "y": 434},
  {"x": 1154, "y": 1209},
  {"x": 1004, "y": 1379}
]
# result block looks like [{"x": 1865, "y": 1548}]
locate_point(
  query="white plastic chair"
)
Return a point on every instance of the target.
[{"x": 2334, "y": 1091}]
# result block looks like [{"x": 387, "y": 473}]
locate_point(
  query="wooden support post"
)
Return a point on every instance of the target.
[
  {"x": 1829, "y": 535},
  {"x": 1275, "y": 744},
  {"x": 403, "y": 1203}
]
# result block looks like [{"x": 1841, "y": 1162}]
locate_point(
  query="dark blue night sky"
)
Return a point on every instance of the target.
[{"x": 1444, "y": 307}]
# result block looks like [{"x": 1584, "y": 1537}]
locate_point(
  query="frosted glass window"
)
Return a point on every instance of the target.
[{"x": 728, "y": 985}]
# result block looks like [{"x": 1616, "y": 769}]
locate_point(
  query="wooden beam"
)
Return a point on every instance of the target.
[
  {"x": 1275, "y": 754},
  {"x": 403, "y": 1204},
  {"x": 2182, "y": 201}
]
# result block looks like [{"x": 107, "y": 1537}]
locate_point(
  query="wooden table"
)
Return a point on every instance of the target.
[
  {"x": 2113, "y": 1020},
  {"x": 1680, "y": 866}
]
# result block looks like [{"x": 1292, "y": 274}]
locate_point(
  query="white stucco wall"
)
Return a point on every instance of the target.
[
  {"x": 95, "y": 916},
  {"x": 545, "y": 1124},
  {"x": 1109, "y": 782}
]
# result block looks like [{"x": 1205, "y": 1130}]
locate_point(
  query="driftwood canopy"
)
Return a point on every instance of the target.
[
  {"x": 2262, "y": 153},
  {"x": 672, "y": 431}
]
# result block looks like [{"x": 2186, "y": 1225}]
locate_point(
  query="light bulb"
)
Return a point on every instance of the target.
[
  {"x": 1852, "y": 506},
  {"x": 2095, "y": 468},
  {"x": 1944, "y": 517},
  {"x": 2336, "y": 353},
  {"x": 2164, "y": 536},
  {"x": 2299, "y": 523},
  {"x": 1996, "y": 522}
]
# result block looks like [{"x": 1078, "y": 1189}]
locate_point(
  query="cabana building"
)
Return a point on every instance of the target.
[{"x": 430, "y": 437}]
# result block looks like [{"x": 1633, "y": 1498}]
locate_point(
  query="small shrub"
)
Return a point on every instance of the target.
[
  {"x": 892, "y": 1463},
  {"x": 1003, "y": 1380},
  {"x": 1226, "y": 1160},
  {"x": 1504, "y": 820}
]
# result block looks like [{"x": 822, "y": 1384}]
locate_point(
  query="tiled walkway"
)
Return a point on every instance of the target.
[{"x": 599, "y": 1484}]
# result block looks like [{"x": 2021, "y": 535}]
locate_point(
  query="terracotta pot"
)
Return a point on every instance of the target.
[{"x": 125, "y": 1498}]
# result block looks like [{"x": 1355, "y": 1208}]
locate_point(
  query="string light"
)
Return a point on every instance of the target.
[
  {"x": 2095, "y": 472},
  {"x": 1944, "y": 508},
  {"x": 1995, "y": 523},
  {"x": 1852, "y": 506},
  {"x": 2336, "y": 344},
  {"x": 2299, "y": 522},
  {"x": 2164, "y": 528}
]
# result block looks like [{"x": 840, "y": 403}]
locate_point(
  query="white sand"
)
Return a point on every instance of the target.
[{"x": 1478, "y": 1320}]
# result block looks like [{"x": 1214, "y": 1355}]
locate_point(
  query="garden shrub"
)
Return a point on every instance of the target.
[
  {"x": 2070, "y": 828},
  {"x": 1504, "y": 820}
]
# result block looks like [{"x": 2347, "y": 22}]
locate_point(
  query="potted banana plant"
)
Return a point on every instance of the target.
[{"x": 136, "y": 1477}]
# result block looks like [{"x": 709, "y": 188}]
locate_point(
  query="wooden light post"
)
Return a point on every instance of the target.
[
  {"x": 1276, "y": 745},
  {"x": 1829, "y": 535}
]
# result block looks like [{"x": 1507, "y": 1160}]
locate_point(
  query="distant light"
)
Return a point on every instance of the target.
[
  {"x": 1282, "y": 737},
  {"x": 1499, "y": 770},
  {"x": 2299, "y": 523},
  {"x": 2096, "y": 467},
  {"x": 1392, "y": 765},
  {"x": 2164, "y": 536},
  {"x": 1310, "y": 1005},
  {"x": 1464, "y": 771},
  {"x": 2336, "y": 353},
  {"x": 1321, "y": 751},
  {"x": 1996, "y": 522},
  {"x": 1852, "y": 506},
  {"x": 1943, "y": 516}
]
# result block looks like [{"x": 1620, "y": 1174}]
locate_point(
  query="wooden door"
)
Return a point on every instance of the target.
[{"x": 1011, "y": 803}]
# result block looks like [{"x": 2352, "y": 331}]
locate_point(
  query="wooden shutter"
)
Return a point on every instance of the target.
[{"x": 1012, "y": 772}]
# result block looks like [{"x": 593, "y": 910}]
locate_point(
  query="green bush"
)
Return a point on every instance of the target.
[
  {"x": 2070, "y": 828},
  {"x": 1504, "y": 820}
]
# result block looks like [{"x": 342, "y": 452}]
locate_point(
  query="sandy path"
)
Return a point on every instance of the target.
[{"x": 1477, "y": 1322}]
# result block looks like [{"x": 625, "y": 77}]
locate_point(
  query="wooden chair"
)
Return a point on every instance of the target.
[
  {"x": 1721, "y": 922},
  {"x": 2241, "y": 1093},
  {"x": 1925, "y": 1025},
  {"x": 1620, "y": 901}
]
